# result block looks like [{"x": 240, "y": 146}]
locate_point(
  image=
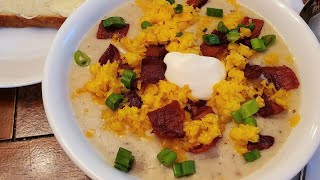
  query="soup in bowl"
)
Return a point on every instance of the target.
[{"x": 196, "y": 89}]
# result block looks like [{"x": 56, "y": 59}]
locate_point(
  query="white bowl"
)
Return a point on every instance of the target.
[{"x": 294, "y": 154}]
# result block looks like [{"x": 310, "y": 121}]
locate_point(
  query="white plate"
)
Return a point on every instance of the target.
[{"x": 22, "y": 55}]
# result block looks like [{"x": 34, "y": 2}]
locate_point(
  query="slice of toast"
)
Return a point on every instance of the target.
[
  {"x": 39, "y": 21},
  {"x": 36, "y": 13}
]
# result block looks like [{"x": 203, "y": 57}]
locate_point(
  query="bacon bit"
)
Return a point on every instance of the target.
[
  {"x": 152, "y": 70},
  {"x": 108, "y": 33},
  {"x": 270, "y": 108},
  {"x": 111, "y": 54},
  {"x": 265, "y": 142},
  {"x": 216, "y": 51},
  {"x": 199, "y": 110},
  {"x": 245, "y": 41},
  {"x": 134, "y": 99},
  {"x": 258, "y": 26},
  {"x": 197, "y": 3},
  {"x": 203, "y": 148},
  {"x": 167, "y": 122},
  {"x": 252, "y": 71},
  {"x": 282, "y": 77},
  {"x": 156, "y": 51}
]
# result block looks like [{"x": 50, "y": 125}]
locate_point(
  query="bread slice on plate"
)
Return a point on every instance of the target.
[{"x": 36, "y": 13}]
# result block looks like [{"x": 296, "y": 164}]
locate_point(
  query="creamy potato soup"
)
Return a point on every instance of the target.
[{"x": 211, "y": 81}]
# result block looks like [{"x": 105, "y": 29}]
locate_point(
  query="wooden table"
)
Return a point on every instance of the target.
[{"x": 28, "y": 148}]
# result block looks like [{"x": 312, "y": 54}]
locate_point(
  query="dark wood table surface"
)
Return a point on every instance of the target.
[{"x": 28, "y": 148}]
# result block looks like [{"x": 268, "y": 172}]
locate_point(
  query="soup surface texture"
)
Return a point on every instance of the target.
[{"x": 218, "y": 140}]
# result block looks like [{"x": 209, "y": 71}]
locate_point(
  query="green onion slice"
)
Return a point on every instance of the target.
[
  {"x": 145, "y": 24},
  {"x": 167, "y": 156},
  {"x": 81, "y": 59},
  {"x": 269, "y": 39},
  {"x": 252, "y": 26},
  {"x": 252, "y": 156},
  {"x": 250, "y": 121},
  {"x": 114, "y": 100},
  {"x": 237, "y": 117},
  {"x": 211, "y": 39},
  {"x": 178, "y": 9},
  {"x": 113, "y": 22},
  {"x": 249, "y": 108},
  {"x": 222, "y": 28},
  {"x": 171, "y": 1},
  {"x": 233, "y": 35},
  {"x": 179, "y": 34},
  {"x": 128, "y": 78},
  {"x": 177, "y": 170},
  {"x": 185, "y": 168},
  {"x": 258, "y": 45},
  {"x": 214, "y": 12},
  {"x": 124, "y": 160}
]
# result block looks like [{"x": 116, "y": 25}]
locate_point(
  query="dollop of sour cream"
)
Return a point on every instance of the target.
[{"x": 200, "y": 73}]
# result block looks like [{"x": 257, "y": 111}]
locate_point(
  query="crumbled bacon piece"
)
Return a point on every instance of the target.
[
  {"x": 197, "y": 3},
  {"x": 265, "y": 142},
  {"x": 199, "y": 110},
  {"x": 270, "y": 108},
  {"x": 152, "y": 70},
  {"x": 245, "y": 41},
  {"x": 111, "y": 54},
  {"x": 258, "y": 26},
  {"x": 156, "y": 51},
  {"x": 252, "y": 71},
  {"x": 282, "y": 77},
  {"x": 134, "y": 99},
  {"x": 203, "y": 148},
  {"x": 107, "y": 33},
  {"x": 214, "y": 51},
  {"x": 167, "y": 122}
]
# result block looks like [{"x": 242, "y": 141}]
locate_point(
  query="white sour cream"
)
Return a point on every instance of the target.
[{"x": 200, "y": 73}]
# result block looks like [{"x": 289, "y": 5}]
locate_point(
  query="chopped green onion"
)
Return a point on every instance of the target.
[
  {"x": 252, "y": 26},
  {"x": 184, "y": 169},
  {"x": 178, "y": 9},
  {"x": 211, "y": 39},
  {"x": 81, "y": 59},
  {"x": 269, "y": 39},
  {"x": 128, "y": 78},
  {"x": 237, "y": 117},
  {"x": 258, "y": 45},
  {"x": 252, "y": 156},
  {"x": 250, "y": 121},
  {"x": 145, "y": 24},
  {"x": 167, "y": 156},
  {"x": 233, "y": 35},
  {"x": 214, "y": 12},
  {"x": 222, "y": 28},
  {"x": 188, "y": 167},
  {"x": 242, "y": 25},
  {"x": 249, "y": 108},
  {"x": 124, "y": 160},
  {"x": 171, "y": 1},
  {"x": 205, "y": 30},
  {"x": 177, "y": 170},
  {"x": 114, "y": 100},
  {"x": 179, "y": 34},
  {"x": 113, "y": 22}
]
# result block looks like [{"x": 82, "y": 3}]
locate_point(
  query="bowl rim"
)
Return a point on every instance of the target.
[{"x": 71, "y": 148}]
